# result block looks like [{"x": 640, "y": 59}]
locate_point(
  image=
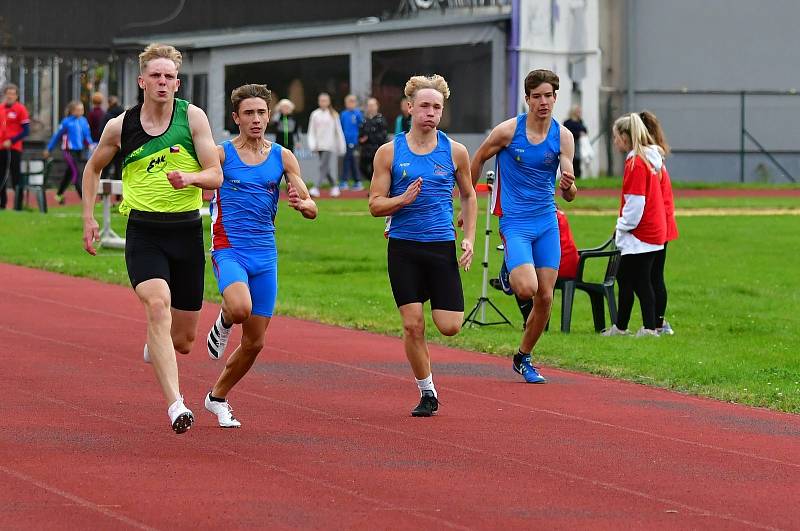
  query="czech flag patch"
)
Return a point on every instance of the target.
[{"x": 174, "y": 149}]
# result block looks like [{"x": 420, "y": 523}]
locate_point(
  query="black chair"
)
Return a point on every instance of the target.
[
  {"x": 597, "y": 291},
  {"x": 35, "y": 173}
]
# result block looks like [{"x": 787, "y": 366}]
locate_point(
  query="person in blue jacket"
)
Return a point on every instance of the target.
[
  {"x": 351, "y": 118},
  {"x": 74, "y": 135}
]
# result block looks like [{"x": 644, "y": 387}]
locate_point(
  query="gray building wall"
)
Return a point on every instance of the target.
[{"x": 718, "y": 45}]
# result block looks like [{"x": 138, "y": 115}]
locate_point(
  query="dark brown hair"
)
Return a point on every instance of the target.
[
  {"x": 244, "y": 92},
  {"x": 654, "y": 128},
  {"x": 537, "y": 77}
]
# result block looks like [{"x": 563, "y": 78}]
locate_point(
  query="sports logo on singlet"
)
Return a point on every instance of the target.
[
  {"x": 157, "y": 164},
  {"x": 438, "y": 170},
  {"x": 550, "y": 158}
]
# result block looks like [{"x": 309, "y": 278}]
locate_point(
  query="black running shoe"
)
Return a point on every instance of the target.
[{"x": 428, "y": 405}]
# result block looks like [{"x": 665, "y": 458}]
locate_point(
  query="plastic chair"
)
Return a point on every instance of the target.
[
  {"x": 597, "y": 291},
  {"x": 34, "y": 179}
]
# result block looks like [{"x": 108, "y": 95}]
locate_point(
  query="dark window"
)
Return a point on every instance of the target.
[
  {"x": 300, "y": 80},
  {"x": 467, "y": 69},
  {"x": 200, "y": 90}
]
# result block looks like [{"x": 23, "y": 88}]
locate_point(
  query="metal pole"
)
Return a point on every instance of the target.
[
  {"x": 487, "y": 233},
  {"x": 741, "y": 134}
]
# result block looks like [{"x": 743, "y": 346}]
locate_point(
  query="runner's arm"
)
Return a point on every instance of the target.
[
  {"x": 499, "y": 138},
  {"x": 469, "y": 203},
  {"x": 299, "y": 199},
  {"x": 567, "y": 182},
  {"x": 107, "y": 148},
  {"x": 210, "y": 177},
  {"x": 380, "y": 204}
]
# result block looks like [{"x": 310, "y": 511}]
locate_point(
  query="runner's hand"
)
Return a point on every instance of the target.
[
  {"x": 567, "y": 180},
  {"x": 294, "y": 198},
  {"x": 91, "y": 234},
  {"x": 412, "y": 192},
  {"x": 466, "y": 259},
  {"x": 178, "y": 179}
]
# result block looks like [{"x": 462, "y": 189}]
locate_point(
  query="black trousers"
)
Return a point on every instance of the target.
[
  {"x": 11, "y": 164},
  {"x": 635, "y": 278},
  {"x": 659, "y": 287}
]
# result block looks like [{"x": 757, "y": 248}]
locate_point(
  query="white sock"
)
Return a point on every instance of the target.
[{"x": 426, "y": 384}]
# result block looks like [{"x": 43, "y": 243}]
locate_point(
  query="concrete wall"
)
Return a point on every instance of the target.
[{"x": 722, "y": 45}]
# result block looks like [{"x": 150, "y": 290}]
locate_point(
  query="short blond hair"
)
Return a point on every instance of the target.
[
  {"x": 159, "y": 51},
  {"x": 435, "y": 82}
]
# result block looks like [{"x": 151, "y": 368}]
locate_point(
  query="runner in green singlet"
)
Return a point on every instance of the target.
[{"x": 168, "y": 156}]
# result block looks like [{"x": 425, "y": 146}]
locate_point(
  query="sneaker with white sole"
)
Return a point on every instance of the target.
[
  {"x": 335, "y": 192},
  {"x": 180, "y": 416},
  {"x": 146, "y": 354},
  {"x": 646, "y": 332},
  {"x": 665, "y": 330},
  {"x": 358, "y": 187},
  {"x": 218, "y": 338},
  {"x": 314, "y": 191},
  {"x": 223, "y": 411},
  {"x": 614, "y": 331}
]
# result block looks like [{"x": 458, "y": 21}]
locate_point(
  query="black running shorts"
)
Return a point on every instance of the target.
[
  {"x": 168, "y": 246},
  {"x": 419, "y": 271}
]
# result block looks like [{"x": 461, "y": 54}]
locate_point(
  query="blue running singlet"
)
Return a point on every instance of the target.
[
  {"x": 244, "y": 207},
  {"x": 526, "y": 174},
  {"x": 430, "y": 217}
]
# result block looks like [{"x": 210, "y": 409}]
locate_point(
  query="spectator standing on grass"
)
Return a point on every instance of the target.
[
  {"x": 371, "y": 135},
  {"x": 73, "y": 135},
  {"x": 578, "y": 129},
  {"x": 17, "y": 126},
  {"x": 413, "y": 186},
  {"x": 642, "y": 224},
  {"x": 402, "y": 124},
  {"x": 659, "y": 286},
  {"x": 285, "y": 125},
  {"x": 351, "y": 119},
  {"x": 96, "y": 117},
  {"x": 326, "y": 139}
]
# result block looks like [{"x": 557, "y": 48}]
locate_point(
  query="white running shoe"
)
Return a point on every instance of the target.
[
  {"x": 218, "y": 338},
  {"x": 358, "y": 187},
  {"x": 665, "y": 330},
  {"x": 646, "y": 332},
  {"x": 224, "y": 413},
  {"x": 146, "y": 354},
  {"x": 180, "y": 416},
  {"x": 614, "y": 331},
  {"x": 335, "y": 192},
  {"x": 314, "y": 191}
]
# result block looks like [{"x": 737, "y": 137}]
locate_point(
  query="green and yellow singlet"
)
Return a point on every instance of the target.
[{"x": 146, "y": 160}]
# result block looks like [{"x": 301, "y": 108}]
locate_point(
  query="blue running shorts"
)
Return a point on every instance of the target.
[
  {"x": 258, "y": 268},
  {"x": 534, "y": 240}
]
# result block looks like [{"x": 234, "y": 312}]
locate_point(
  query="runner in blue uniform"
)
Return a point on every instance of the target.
[
  {"x": 529, "y": 149},
  {"x": 412, "y": 185},
  {"x": 243, "y": 250}
]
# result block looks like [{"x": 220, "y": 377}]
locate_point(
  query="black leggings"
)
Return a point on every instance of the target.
[
  {"x": 72, "y": 174},
  {"x": 659, "y": 287},
  {"x": 12, "y": 160},
  {"x": 635, "y": 277}
]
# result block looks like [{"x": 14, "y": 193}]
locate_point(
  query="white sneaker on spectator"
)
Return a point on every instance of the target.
[
  {"x": 358, "y": 187},
  {"x": 223, "y": 411},
  {"x": 180, "y": 416},
  {"x": 314, "y": 191},
  {"x": 146, "y": 354},
  {"x": 614, "y": 331},
  {"x": 665, "y": 330},
  {"x": 646, "y": 332},
  {"x": 335, "y": 192}
]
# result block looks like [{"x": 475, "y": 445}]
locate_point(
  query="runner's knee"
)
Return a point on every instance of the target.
[{"x": 414, "y": 328}]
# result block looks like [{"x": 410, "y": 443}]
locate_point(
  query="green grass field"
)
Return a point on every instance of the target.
[{"x": 733, "y": 285}]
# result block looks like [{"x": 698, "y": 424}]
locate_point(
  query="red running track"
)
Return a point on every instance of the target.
[{"x": 327, "y": 440}]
